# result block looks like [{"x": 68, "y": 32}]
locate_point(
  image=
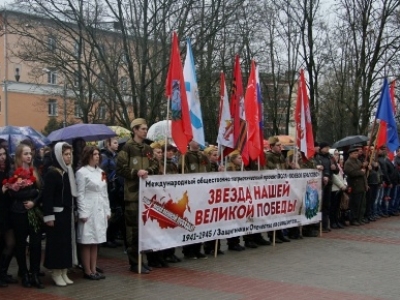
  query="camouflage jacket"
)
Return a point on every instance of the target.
[
  {"x": 132, "y": 158},
  {"x": 275, "y": 161},
  {"x": 195, "y": 162},
  {"x": 172, "y": 168},
  {"x": 214, "y": 167}
]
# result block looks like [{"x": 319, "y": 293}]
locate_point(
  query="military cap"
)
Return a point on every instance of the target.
[
  {"x": 138, "y": 121},
  {"x": 273, "y": 140}
]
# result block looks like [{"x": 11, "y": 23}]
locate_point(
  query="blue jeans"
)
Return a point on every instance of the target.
[
  {"x": 395, "y": 201},
  {"x": 385, "y": 202},
  {"x": 378, "y": 201}
]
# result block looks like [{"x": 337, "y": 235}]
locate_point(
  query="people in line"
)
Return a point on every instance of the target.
[{"x": 371, "y": 181}]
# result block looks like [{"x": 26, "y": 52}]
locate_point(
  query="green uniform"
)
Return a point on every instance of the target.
[
  {"x": 275, "y": 161},
  {"x": 132, "y": 158},
  {"x": 195, "y": 162},
  {"x": 232, "y": 167}
]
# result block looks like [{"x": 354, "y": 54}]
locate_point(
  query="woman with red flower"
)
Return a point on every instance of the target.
[
  {"x": 23, "y": 188},
  {"x": 93, "y": 209}
]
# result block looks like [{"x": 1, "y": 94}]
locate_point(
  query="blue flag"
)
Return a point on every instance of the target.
[{"x": 385, "y": 113}]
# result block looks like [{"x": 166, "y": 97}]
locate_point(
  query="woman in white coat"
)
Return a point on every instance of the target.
[{"x": 93, "y": 210}]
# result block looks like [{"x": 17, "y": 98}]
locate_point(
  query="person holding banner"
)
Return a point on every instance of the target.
[
  {"x": 194, "y": 162},
  {"x": 156, "y": 259},
  {"x": 276, "y": 161},
  {"x": 170, "y": 168},
  {"x": 134, "y": 162},
  {"x": 212, "y": 153},
  {"x": 235, "y": 164}
]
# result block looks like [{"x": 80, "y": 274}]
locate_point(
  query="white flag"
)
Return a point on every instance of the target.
[
  {"x": 189, "y": 74},
  {"x": 225, "y": 131}
]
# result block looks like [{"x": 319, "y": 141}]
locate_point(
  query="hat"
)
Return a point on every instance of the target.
[
  {"x": 273, "y": 140},
  {"x": 324, "y": 144},
  {"x": 353, "y": 149},
  {"x": 157, "y": 145},
  {"x": 234, "y": 154},
  {"x": 209, "y": 149},
  {"x": 357, "y": 146},
  {"x": 138, "y": 121}
]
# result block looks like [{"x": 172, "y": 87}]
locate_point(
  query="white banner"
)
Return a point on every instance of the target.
[{"x": 177, "y": 210}]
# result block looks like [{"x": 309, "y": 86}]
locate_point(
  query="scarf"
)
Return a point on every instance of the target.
[{"x": 68, "y": 169}]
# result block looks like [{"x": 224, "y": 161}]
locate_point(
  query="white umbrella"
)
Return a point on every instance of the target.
[{"x": 158, "y": 131}]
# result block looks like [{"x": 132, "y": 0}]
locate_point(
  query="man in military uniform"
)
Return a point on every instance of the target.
[
  {"x": 134, "y": 162},
  {"x": 195, "y": 162},
  {"x": 275, "y": 161}
]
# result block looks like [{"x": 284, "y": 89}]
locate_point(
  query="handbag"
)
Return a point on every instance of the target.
[{"x": 344, "y": 201}]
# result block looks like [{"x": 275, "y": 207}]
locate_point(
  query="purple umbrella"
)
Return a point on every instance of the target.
[{"x": 89, "y": 132}]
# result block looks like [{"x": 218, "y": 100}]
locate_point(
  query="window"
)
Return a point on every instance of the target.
[
  {"x": 76, "y": 49},
  {"x": 78, "y": 110},
  {"x": 52, "y": 77},
  {"x": 52, "y": 107},
  {"x": 51, "y": 44},
  {"x": 102, "y": 112},
  {"x": 101, "y": 84},
  {"x": 76, "y": 78},
  {"x": 124, "y": 83},
  {"x": 102, "y": 50}
]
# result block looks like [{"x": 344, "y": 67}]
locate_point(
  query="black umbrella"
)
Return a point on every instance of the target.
[{"x": 350, "y": 140}]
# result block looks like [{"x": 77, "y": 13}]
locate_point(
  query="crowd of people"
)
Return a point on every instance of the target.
[{"x": 81, "y": 197}]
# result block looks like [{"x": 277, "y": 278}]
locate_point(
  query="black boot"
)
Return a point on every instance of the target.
[
  {"x": 25, "y": 280},
  {"x": 4, "y": 264},
  {"x": 36, "y": 281},
  {"x": 3, "y": 283}
]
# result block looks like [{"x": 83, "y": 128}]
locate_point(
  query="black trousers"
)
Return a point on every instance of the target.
[
  {"x": 335, "y": 206},
  {"x": 355, "y": 206},
  {"x": 22, "y": 229},
  {"x": 326, "y": 204}
]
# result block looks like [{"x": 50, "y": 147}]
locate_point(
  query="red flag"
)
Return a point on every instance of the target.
[
  {"x": 238, "y": 114},
  {"x": 302, "y": 117},
  {"x": 252, "y": 115},
  {"x": 381, "y": 136},
  {"x": 260, "y": 117},
  {"x": 393, "y": 96},
  {"x": 181, "y": 128}
]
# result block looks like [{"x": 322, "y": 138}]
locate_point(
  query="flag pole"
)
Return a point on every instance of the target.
[{"x": 166, "y": 137}]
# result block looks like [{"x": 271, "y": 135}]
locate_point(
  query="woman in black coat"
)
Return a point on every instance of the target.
[
  {"x": 7, "y": 240},
  {"x": 59, "y": 190}
]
